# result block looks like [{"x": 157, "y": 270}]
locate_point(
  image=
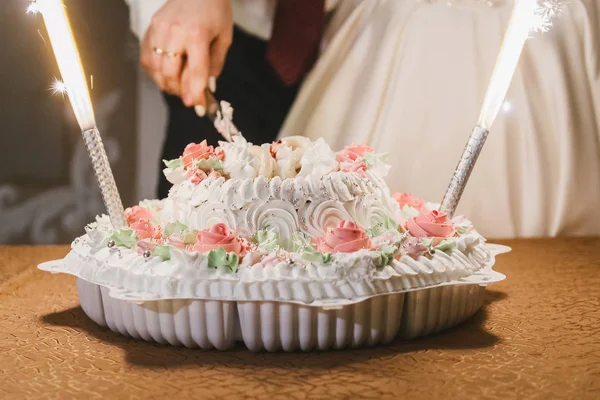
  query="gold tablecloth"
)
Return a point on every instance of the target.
[{"x": 538, "y": 336}]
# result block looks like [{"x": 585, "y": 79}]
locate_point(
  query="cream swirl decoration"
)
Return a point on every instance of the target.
[
  {"x": 319, "y": 216},
  {"x": 316, "y": 203},
  {"x": 368, "y": 211},
  {"x": 278, "y": 215},
  {"x": 211, "y": 213}
]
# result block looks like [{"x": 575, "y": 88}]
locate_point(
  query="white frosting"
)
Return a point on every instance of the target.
[
  {"x": 265, "y": 163},
  {"x": 305, "y": 203},
  {"x": 350, "y": 277},
  {"x": 239, "y": 163},
  {"x": 288, "y": 162},
  {"x": 318, "y": 160},
  {"x": 175, "y": 175}
]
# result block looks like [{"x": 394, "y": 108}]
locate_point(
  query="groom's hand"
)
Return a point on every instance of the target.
[{"x": 193, "y": 37}]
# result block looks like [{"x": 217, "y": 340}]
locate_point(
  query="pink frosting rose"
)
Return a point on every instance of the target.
[
  {"x": 413, "y": 247},
  {"x": 219, "y": 153},
  {"x": 405, "y": 199},
  {"x": 353, "y": 152},
  {"x": 214, "y": 174},
  {"x": 196, "y": 175},
  {"x": 219, "y": 235},
  {"x": 357, "y": 166},
  {"x": 271, "y": 260},
  {"x": 146, "y": 244},
  {"x": 195, "y": 151},
  {"x": 175, "y": 241},
  {"x": 386, "y": 238},
  {"x": 347, "y": 237},
  {"x": 146, "y": 229},
  {"x": 434, "y": 224},
  {"x": 137, "y": 213}
]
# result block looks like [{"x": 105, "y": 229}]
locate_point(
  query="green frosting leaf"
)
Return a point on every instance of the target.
[
  {"x": 388, "y": 225},
  {"x": 326, "y": 258},
  {"x": 377, "y": 163},
  {"x": 427, "y": 242},
  {"x": 267, "y": 239},
  {"x": 175, "y": 227},
  {"x": 173, "y": 164},
  {"x": 311, "y": 254},
  {"x": 388, "y": 253},
  {"x": 446, "y": 245},
  {"x": 301, "y": 245},
  {"x": 206, "y": 164},
  {"x": 464, "y": 228},
  {"x": 163, "y": 252},
  {"x": 220, "y": 258},
  {"x": 124, "y": 238},
  {"x": 300, "y": 241},
  {"x": 373, "y": 159}
]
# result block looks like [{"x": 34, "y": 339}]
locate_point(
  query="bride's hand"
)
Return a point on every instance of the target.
[{"x": 200, "y": 32}]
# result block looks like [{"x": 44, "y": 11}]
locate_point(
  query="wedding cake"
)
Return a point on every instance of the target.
[{"x": 287, "y": 245}]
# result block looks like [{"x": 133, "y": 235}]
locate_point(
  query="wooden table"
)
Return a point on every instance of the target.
[{"x": 538, "y": 336}]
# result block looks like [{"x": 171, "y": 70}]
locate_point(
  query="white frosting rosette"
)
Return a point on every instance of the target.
[
  {"x": 288, "y": 154},
  {"x": 318, "y": 160},
  {"x": 239, "y": 163},
  {"x": 265, "y": 165}
]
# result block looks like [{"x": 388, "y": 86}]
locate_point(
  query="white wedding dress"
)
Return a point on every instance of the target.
[{"x": 408, "y": 77}]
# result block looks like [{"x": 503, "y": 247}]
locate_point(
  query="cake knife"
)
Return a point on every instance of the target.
[{"x": 214, "y": 112}]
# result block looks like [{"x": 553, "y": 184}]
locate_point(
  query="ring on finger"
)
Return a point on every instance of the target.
[{"x": 166, "y": 53}]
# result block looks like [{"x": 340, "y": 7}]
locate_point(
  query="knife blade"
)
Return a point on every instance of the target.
[{"x": 214, "y": 113}]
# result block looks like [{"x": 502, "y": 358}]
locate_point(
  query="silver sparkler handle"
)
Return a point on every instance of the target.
[
  {"x": 463, "y": 170},
  {"x": 104, "y": 175}
]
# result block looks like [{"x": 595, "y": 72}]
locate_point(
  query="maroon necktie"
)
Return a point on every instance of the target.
[{"x": 294, "y": 44}]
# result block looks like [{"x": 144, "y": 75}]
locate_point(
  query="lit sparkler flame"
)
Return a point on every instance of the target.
[
  {"x": 58, "y": 87},
  {"x": 75, "y": 85},
  {"x": 545, "y": 12},
  {"x": 33, "y": 8},
  {"x": 68, "y": 60},
  {"x": 528, "y": 16}
]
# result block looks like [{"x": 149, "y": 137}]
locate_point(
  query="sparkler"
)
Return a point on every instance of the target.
[
  {"x": 32, "y": 8},
  {"x": 75, "y": 85},
  {"x": 527, "y": 16},
  {"x": 58, "y": 87}
]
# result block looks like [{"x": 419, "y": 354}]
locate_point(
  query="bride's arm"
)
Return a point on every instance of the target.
[{"x": 193, "y": 37}]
